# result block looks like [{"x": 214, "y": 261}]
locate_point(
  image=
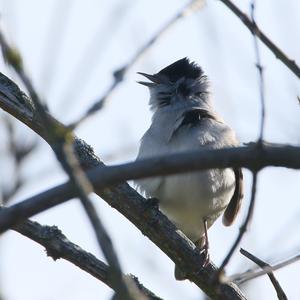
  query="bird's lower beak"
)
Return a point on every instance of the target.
[{"x": 148, "y": 84}]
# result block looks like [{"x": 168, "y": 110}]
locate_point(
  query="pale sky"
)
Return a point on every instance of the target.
[{"x": 70, "y": 49}]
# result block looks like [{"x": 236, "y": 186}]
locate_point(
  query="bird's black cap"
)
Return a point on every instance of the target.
[{"x": 181, "y": 68}]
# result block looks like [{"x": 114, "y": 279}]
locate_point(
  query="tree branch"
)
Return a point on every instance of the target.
[
  {"x": 250, "y": 211},
  {"x": 244, "y": 226},
  {"x": 127, "y": 201},
  {"x": 252, "y": 26},
  {"x": 58, "y": 246},
  {"x": 260, "y": 70},
  {"x": 280, "y": 292},
  {"x": 254, "y": 157},
  {"x": 248, "y": 275},
  {"x": 63, "y": 149}
]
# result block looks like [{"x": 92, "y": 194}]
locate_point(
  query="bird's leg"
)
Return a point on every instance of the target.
[
  {"x": 203, "y": 246},
  {"x": 206, "y": 244}
]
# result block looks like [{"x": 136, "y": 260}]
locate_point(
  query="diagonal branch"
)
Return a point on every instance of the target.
[
  {"x": 248, "y": 275},
  {"x": 63, "y": 149},
  {"x": 119, "y": 75},
  {"x": 58, "y": 246},
  {"x": 252, "y": 26},
  {"x": 280, "y": 292},
  {"x": 127, "y": 201}
]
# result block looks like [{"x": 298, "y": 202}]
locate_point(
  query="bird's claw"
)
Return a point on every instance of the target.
[{"x": 205, "y": 253}]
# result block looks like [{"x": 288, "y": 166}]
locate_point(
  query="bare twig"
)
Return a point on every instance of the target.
[
  {"x": 63, "y": 150},
  {"x": 291, "y": 64},
  {"x": 245, "y": 276},
  {"x": 244, "y": 226},
  {"x": 280, "y": 293},
  {"x": 261, "y": 74},
  {"x": 58, "y": 246},
  {"x": 119, "y": 75},
  {"x": 18, "y": 152}
]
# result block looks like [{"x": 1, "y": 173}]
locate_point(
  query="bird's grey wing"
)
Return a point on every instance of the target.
[{"x": 235, "y": 202}]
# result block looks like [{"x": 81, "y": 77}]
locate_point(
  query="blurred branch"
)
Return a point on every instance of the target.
[
  {"x": 280, "y": 293},
  {"x": 18, "y": 152},
  {"x": 60, "y": 16},
  {"x": 93, "y": 49},
  {"x": 58, "y": 246},
  {"x": 62, "y": 147},
  {"x": 252, "y": 26},
  {"x": 119, "y": 75},
  {"x": 83, "y": 187},
  {"x": 244, "y": 226},
  {"x": 126, "y": 200}
]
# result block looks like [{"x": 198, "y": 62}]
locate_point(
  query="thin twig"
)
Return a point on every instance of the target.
[
  {"x": 119, "y": 75},
  {"x": 18, "y": 152},
  {"x": 280, "y": 293},
  {"x": 246, "y": 276},
  {"x": 291, "y": 64},
  {"x": 58, "y": 246},
  {"x": 260, "y": 73},
  {"x": 244, "y": 226},
  {"x": 63, "y": 150}
]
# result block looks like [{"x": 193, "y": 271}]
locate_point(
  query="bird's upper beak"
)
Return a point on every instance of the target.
[{"x": 154, "y": 78}]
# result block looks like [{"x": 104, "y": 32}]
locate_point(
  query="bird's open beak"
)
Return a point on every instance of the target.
[{"x": 154, "y": 78}]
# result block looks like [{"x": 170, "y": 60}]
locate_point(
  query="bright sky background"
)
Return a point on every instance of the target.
[{"x": 71, "y": 49}]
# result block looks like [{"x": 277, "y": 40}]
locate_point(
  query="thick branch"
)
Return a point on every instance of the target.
[
  {"x": 127, "y": 201},
  {"x": 253, "y": 157},
  {"x": 58, "y": 246}
]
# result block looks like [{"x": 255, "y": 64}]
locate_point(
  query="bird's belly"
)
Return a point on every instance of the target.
[{"x": 189, "y": 198}]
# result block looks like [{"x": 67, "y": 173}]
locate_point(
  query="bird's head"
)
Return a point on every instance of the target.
[{"x": 182, "y": 83}]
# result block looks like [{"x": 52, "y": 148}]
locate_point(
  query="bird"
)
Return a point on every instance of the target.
[{"x": 183, "y": 120}]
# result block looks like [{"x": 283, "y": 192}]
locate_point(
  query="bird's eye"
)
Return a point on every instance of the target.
[{"x": 199, "y": 94}]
